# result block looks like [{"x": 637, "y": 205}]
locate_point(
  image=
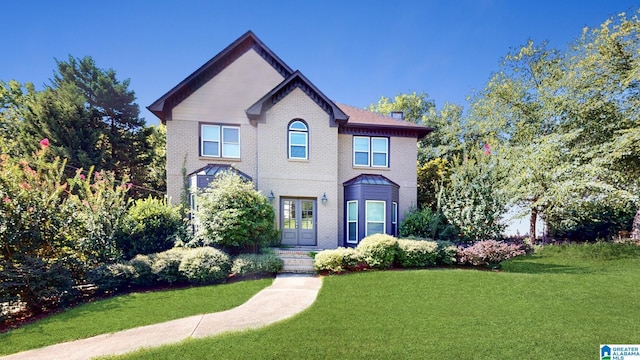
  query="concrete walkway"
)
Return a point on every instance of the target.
[{"x": 288, "y": 295}]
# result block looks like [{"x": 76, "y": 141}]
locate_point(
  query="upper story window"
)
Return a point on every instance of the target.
[
  {"x": 370, "y": 151},
  {"x": 220, "y": 141},
  {"x": 298, "y": 140}
]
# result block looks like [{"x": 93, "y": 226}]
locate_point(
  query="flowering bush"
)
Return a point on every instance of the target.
[
  {"x": 336, "y": 260},
  {"x": 378, "y": 251},
  {"x": 489, "y": 253},
  {"x": 417, "y": 253}
]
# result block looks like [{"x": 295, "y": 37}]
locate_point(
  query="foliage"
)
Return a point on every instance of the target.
[
  {"x": 112, "y": 277},
  {"x": 431, "y": 175},
  {"x": 426, "y": 223},
  {"x": 489, "y": 253},
  {"x": 166, "y": 265},
  {"x": 143, "y": 266},
  {"x": 99, "y": 203},
  {"x": 447, "y": 253},
  {"x": 337, "y": 260},
  {"x": 37, "y": 283},
  {"x": 414, "y": 106},
  {"x": 248, "y": 264},
  {"x": 416, "y": 253},
  {"x": 232, "y": 214},
  {"x": 590, "y": 221},
  {"x": 378, "y": 251},
  {"x": 474, "y": 201},
  {"x": 205, "y": 265},
  {"x": 150, "y": 225}
]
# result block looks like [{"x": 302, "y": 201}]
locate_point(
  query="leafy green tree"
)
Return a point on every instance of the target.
[
  {"x": 474, "y": 201},
  {"x": 15, "y": 99},
  {"x": 414, "y": 106},
  {"x": 233, "y": 215}
]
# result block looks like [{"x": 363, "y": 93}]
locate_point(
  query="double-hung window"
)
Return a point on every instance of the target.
[
  {"x": 370, "y": 151},
  {"x": 375, "y": 214},
  {"x": 220, "y": 141},
  {"x": 352, "y": 222},
  {"x": 298, "y": 140}
]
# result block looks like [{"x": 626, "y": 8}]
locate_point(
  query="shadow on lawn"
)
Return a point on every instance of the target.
[{"x": 531, "y": 265}]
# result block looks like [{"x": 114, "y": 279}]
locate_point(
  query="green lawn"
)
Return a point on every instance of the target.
[
  {"x": 561, "y": 303},
  {"x": 128, "y": 311}
]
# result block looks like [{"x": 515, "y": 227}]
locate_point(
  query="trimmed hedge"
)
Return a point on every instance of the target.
[
  {"x": 166, "y": 266},
  {"x": 416, "y": 253},
  {"x": 248, "y": 264},
  {"x": 336, "y": 261},
  {"x": 379, "y": 251},
  {"x": 205, "y": 265}
]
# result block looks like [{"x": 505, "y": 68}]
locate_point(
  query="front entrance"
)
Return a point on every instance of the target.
[{"x": 298, "y": 221}]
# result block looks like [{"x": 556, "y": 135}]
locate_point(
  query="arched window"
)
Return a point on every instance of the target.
[{"x": 298, "y": 140}]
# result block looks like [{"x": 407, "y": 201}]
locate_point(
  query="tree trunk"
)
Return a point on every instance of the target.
[
  {"x": 532, "y": 225},
  {"x": 635, "y": 229}
]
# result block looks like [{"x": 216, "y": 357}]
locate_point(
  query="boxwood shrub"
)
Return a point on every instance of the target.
[
  {"x": 379, "y": 251},
  {"x": 447, "y": 253},
  {"x": 143, "y": 265},
  {"x": 205, "y": 265}
]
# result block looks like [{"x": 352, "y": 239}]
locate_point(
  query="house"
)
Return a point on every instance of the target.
[{"x": 334, "y": 173}]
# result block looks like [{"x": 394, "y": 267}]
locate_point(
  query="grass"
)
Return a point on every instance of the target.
[
  {"x": 128, "y": 311},
  {"x": 561, "y": 303}
]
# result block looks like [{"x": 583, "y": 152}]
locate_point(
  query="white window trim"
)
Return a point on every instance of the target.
[
  {"x": 306, "y": 140},
  {"x": 386, "y": 152},
  {"x": 221, "y": 141},
  {"x": 370, "y": 152},
  {"x": 384, "y": 220},
  {"x": 356, "y": 222},
  {"x": 394, "y": 217}
]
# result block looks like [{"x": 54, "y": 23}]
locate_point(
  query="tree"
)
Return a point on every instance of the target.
[
  {"x": 91, "y": 119},
  {"x": 474, "y": 201}
]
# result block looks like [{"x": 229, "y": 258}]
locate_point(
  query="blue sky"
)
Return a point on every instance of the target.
[{"x": 354, "y": 51}]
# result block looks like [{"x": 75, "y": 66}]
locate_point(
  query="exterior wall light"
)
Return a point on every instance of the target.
[
  {"x": 324, "y": 198},
  {"x": 271, "y": 196}
]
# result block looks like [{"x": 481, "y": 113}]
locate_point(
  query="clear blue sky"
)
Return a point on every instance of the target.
[{"x": 354, "y": 50}]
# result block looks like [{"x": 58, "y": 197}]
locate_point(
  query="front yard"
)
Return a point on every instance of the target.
[{"x": 561, "y": 303}]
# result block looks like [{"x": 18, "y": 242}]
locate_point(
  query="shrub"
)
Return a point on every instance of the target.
[
  {"x": 166, "y": 265},
  {"x": 447, "y": 253},
  {"x": 112, "y": 277},
  {"x": 378, "y": 251},
  {"x": 417, "y": 253},
  {"x": 336, "y": 260},
  {"x": 247, "y": 264},
  {"x": 37, "y": 283},
  {"x": 489, "y": 252},
  {"x": 205, "y": 265},
  {"x": 143, "y": 264},
  {"x": 150, "y": 226},
  {"x": 426, "y": 223},
  {"x": 233, "y": 215}
]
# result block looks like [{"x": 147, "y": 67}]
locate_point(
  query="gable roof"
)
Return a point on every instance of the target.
[
  {"x": 297, "y": 80},
  {"x": 163, "y": 106},
  {"x": 364, "y": 122}
]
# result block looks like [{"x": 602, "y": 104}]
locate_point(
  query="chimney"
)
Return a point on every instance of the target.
[{"x": 398, "y": 115}]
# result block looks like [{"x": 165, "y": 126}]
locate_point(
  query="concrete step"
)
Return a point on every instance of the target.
[{"x": 295, "y": 260}]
